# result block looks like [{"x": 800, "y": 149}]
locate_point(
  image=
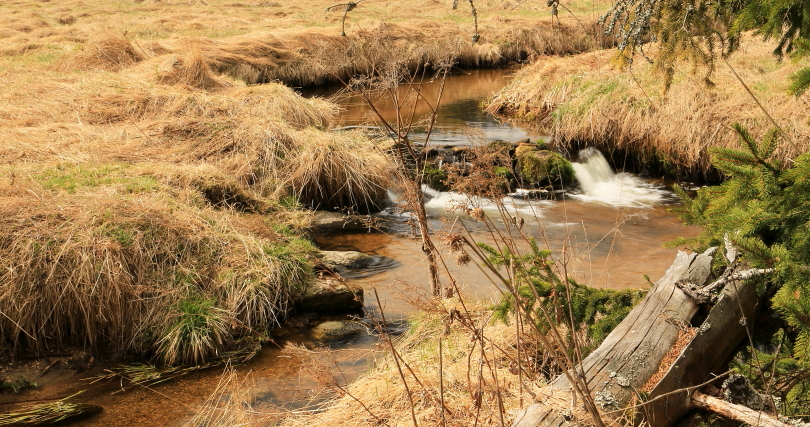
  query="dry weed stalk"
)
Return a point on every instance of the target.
[{"x": 407, "y": 157}]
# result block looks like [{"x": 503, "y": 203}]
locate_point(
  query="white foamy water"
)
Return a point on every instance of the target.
[
  {"x": 438, "y": 203},
  {"x": 449, "y": 201},
  {"x": 600, "y": 184}
]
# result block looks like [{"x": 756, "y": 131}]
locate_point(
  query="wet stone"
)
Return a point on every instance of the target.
[
  {"x": 345, "y": 259},
  {"x": 327, "y": 222},
  {"x": 337, "y": 330},
  {"x": 356, "y": 265},
  {"x": 332, "y": 297}
]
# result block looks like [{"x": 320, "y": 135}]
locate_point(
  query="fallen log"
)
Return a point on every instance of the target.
[
  {"x": 739, "y": 413},
  {"x": 655, "y": 349}
]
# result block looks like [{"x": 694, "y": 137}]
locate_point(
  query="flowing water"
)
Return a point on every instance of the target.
[
  {"x": 459, "y": 116},
  {"x": 612, "y": 228}
]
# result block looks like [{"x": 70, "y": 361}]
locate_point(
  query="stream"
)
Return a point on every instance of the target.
[{"x": 613, "y": 229}]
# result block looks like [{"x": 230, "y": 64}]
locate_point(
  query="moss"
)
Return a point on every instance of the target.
[
  {"x": 505, "y": 175},
  {"x": 435, "y": 178},
  {"x": 16, "y": 387},
  {"x": 70, "y": 178},
  {"x": 544, "y": 167}
]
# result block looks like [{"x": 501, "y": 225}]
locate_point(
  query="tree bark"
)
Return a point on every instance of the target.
[{"x": 640, "y": 350}]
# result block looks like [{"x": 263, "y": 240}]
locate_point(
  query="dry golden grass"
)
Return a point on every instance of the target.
[
  {"x": 191, "y": 70},
  {"x": 333, "y": 171},
  {"x": 138, "y": 154},
  {"x": 478, "y": 384},
  {"x": 583, "y": 101},
  {"x": 111, "y": 53},
  {"x": 106, "y": 259}
]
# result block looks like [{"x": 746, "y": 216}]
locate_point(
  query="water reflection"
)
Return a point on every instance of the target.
[{"x": 460, "y": 116}]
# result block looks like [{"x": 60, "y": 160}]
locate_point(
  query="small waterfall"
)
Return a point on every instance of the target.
[
  {"x": 600, "y": 184},
  {"x": 594, "y": 170}
]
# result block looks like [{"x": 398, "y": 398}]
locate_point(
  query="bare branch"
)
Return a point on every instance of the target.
[{"x": 742, "y": 275}]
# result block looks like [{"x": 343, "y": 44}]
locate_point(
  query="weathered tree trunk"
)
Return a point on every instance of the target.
[
  {"x": 643, "y": 348},
  {"x": 736, "y": 412}
]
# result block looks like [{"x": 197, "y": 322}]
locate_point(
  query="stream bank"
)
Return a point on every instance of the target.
[{"x": 583, "y": 100}]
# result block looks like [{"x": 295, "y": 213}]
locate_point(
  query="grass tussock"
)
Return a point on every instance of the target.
[
  {"x": 481, "y": 385},
  {"x": 333, "y": 171},
  {"x": 258, "y": 104},
  {"x": 191, "y": 70},
  {"x": 252, "y": 59},
  {"x": 149, "y": 276},
  {"x": 321, "y": 169},
  {"x": 111, "y": 53},
  {"x": 583, "y": 101}
]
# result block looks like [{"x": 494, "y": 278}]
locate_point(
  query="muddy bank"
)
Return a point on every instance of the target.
[{"x": 583, "y": 101}]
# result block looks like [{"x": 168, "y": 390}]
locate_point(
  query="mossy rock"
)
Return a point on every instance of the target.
[
  {"x": 525, "y": 148},
  {"x": 543, "y": 167},
  {"x": 436, "y": 178},
  {"x": 507, "y": 175},
  {"x": 502, "y": 147}
]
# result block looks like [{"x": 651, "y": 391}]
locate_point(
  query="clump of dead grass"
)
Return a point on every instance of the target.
[
  {"x": 62, "y": 410},
  {"x": 218, "y": 188},
  {"x": 333, "y": 171},
  {"x": 583, "y": 101},
  {"x": 251, "y": 58},
  {"x": 481, "y": 386},
  {"x": 190, "y": 70},
  {"x": 111, "y": 53},
  {"x": 145, "y": 275},
  {"x": 257, "y": 104},
  {"x": 321, "y": 169}
]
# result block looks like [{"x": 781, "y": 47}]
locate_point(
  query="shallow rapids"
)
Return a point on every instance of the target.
[{"x": 600, "y": 184}]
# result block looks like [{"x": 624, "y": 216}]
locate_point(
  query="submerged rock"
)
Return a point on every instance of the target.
[
  {"x": 332, "y": 297},
  {"x": 356, "y": 265},
  {"x": 336, "y": 330},
  {"x": 327, "y": 222},
  {"x": 337, "y": 260}
]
